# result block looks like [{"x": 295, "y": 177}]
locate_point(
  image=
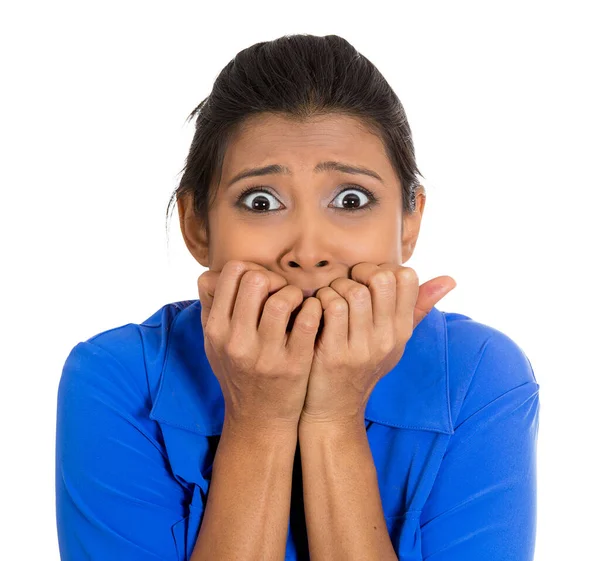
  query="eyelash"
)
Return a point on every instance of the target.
[{"x": 373, "y": 200}]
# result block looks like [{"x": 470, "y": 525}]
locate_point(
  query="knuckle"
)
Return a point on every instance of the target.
[
  {"x": 359, "y": 292},
  {"x": 211, "y": 332},
  {"x": 277, "y": 306},
  {"x": 294, "y": 291},
  {"x": 255, "y": 278},
  {"x": 290, "y": 294},
  {"x": 322, "y": 292},
  {"x": 203, "y": 280},
  {"x": 384, "y": 278},
  {"x": 307, "y": 324},
  {"x": 235, "y": 350},
  {"x": 235, "y": 267},
  {"x": 338, "y": 306},
  {"x": 263, "y": 367},
  {"x": 408, "y": 275},
  {"x": 387, "y": 343},
  {"x": 267, "y": 366}
]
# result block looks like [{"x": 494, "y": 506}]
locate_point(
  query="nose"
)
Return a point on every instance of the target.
[
  {"x": 309, "y": 249},
  {"x": 308, "y": 257}
]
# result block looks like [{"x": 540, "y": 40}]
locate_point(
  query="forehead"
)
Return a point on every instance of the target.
[{"x": 264, "y": 139}]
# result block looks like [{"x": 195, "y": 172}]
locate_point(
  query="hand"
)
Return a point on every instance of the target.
[
  {"x": 262, "y": 370},
  {"x": 368, "y": 320}
]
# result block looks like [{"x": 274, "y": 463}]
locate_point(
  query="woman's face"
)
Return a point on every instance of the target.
[{"x": 310, "y": 223}]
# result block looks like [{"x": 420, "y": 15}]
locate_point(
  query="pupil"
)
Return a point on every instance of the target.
[
  {"x": 260, "y": 201},
  {"x": 355, "y": 200}
]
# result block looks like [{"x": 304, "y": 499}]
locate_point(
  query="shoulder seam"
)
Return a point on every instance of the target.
[
  {"x": 179, "y": 306},
  {"x": 110, "y": 330},
  {"x": 497, "y": 398}
]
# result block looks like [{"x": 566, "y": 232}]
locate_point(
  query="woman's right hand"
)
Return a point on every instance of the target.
[{"x": 262, "y": 369}]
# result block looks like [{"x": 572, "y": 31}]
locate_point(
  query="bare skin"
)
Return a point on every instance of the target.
[
  {"x": 308, "y": 230},
  {"x": 311, "y": 227}
]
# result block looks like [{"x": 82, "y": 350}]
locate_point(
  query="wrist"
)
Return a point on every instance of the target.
[
  {"x": 260, "y": 431},
  {"x": 332, "y": 427}
]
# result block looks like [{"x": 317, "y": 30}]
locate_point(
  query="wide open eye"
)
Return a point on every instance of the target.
[
  {"x": 259, "y": 203},
  {"x": 350, "y": 199}
]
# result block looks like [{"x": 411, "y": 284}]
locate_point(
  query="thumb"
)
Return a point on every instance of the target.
[{"x": 441, "y": 287}]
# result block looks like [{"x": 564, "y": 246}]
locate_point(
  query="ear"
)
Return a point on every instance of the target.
[
  {"x": 411, "y": 224},
  {"x": 195, "y": 234}
]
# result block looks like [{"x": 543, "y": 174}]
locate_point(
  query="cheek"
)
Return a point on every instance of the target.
[
  {"x": 233, "y": 238},
  {"x": 370, "y": 249},
  {"x": 254, "y": 250}
]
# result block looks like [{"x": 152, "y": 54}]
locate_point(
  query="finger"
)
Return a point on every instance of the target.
[
  {"x": 360, "y": 312},
  {"x": 301, "y": 340},
  {"x": 206, "y": 290},
  {"x": 249, "y": 301},
  {"x": 335, "y": 317},
  {"x": 408, "y": 293},
  {"x": 276, "y": 313},
  {"x": 227, "y": 286},
  {"x": 430, "y": 293},
  {"x": 382, "y": 284}
]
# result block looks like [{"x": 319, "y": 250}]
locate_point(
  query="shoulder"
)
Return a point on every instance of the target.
[
  {"x": 124, "y": 361},
  {"x": 484, "y": 363}
]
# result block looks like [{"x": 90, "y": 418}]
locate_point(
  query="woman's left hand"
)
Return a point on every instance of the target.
[{"x": 368, "y": 320}]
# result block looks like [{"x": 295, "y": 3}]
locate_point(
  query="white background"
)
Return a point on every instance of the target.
[{"x": 503, "y": 102}]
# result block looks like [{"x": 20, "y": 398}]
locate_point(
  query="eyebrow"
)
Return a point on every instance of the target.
[{"x": 320, "y": 167}]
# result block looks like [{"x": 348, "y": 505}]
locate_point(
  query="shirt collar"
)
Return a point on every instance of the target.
[{"x": 413, "y": 395}]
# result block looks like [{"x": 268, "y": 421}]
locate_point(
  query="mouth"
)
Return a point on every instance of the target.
[{"x": 307, "y": 292}]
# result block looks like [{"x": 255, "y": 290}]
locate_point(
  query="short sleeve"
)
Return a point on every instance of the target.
[
  {"x": 483, "y": 501},
  {"x": 115, "y": 496}
]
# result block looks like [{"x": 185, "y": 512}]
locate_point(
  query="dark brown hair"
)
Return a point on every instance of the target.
[{"x": 296, "y": 76}]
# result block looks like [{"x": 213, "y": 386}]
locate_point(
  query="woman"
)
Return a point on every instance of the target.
[{"x": 313, "y": 400}]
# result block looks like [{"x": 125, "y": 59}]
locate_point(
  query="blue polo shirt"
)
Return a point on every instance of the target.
[{"x": 452, "y": 430}]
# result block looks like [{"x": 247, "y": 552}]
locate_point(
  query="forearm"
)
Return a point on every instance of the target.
[
  {"x": 342, "y": 504},
  {"x": 247, "y": 512}
]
